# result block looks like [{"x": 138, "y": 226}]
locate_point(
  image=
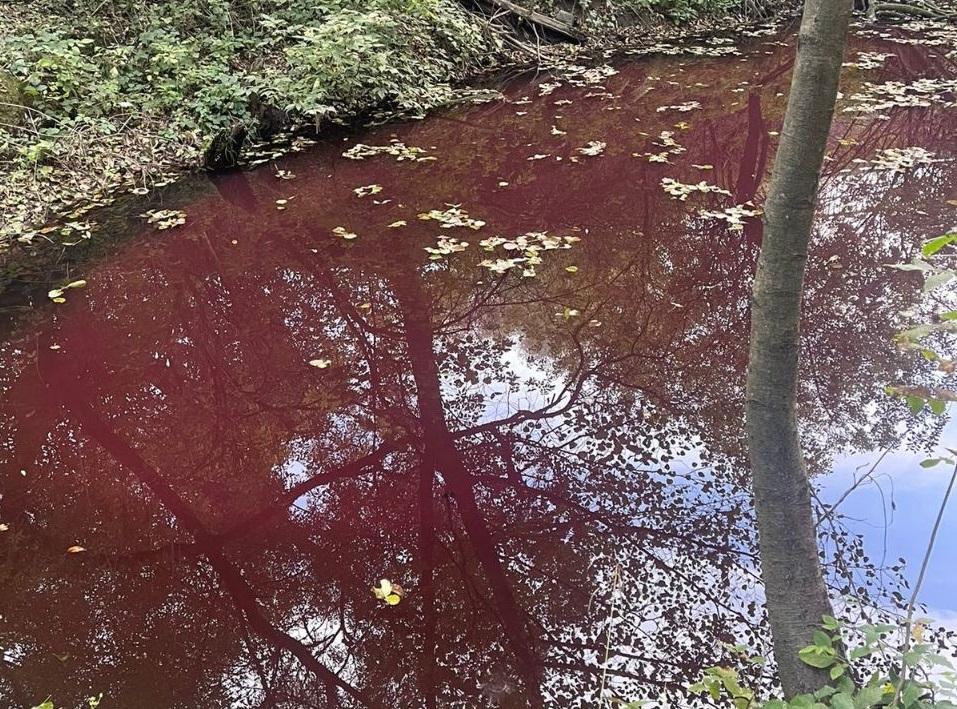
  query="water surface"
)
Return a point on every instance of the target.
[{"x": 242, "y": 425}]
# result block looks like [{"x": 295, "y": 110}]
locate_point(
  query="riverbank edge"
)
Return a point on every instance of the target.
[{"x": 63, "y": 198}]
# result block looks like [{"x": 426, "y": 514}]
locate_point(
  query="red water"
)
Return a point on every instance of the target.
[{"x": 550, "y": 467}]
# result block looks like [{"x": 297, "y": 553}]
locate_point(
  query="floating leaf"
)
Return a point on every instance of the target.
[
  {"x": 367, "y": 190},
  {"x": 165, "y": 218},
  {"x": 593, "y": 147},
  {"x": 347, "y": 235},
  {"x": 389, "y": 592},
  {"x": 320, "y": 363},
  {"x": 571, "y": 269},
  {"x": 76, "y": 549},
  {"x": 57, "y": 294}
]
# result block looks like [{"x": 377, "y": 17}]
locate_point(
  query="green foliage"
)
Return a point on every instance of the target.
[
  {"x": 924, "y": 338},
  {"x": 684, "y": 10},
  {"x": 198, "y": 67},
  {"x": 920, "y": 677}
]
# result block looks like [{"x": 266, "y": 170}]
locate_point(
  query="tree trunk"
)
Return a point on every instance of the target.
[{"x": 796, "y": 596}]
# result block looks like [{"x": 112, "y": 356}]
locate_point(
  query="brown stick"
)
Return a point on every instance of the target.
[{"x": 549, "y": 23}]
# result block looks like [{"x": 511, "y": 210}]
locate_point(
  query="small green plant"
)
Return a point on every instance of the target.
[{"x": 919, "y": 676}]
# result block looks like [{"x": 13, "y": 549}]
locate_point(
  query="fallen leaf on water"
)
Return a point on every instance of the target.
[
  {"x": 4, "y": 527},
  {"x": 571, "y": 269},
  {"x": 347, "y": 235},
  {"x": 389, "y": 592},
  {"x": 367, "y": 190},
  {"x": 320, "y": 363},
  {"x": 594, "y": 147},
  {"x": 57, "y": 294},
  {"x": 952, "y": 202},
  {"x": 396, "y": 225},
  {"x": 75, "y": 549},
  {"x": 365, "y": 306}
]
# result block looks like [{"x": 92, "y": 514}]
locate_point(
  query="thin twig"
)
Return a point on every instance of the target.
[
  {"x": 616, "y": 583},
  {"x": 920, "y": 580}
]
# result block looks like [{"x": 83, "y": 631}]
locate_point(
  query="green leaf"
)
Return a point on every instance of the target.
[
  {"x": 837, "y": 671},
  {"x": 937, "y": 406},
  {"x": 934, "y": 245},
  {"x": 911, "y": 693},
  {"x": 842, "y": 701},
  {"x": 915, "y": 403},
  {"x": 822, "y": 639},
  {"x": 813, "y": 656},
  {"x": 46, "y": 704},
  {"x": 831, "y": 623},
  {"x": 938, "y": 279},
  {"x": 915, "y": 265},
  {"x": 868, "y": 696},
  {"x": 930, "y": 462}
]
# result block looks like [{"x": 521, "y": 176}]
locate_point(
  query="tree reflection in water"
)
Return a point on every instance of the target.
[{"x": 550, "y": 467}]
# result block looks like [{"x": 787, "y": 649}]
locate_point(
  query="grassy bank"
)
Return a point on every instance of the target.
[{"x": 104, "y": 95}]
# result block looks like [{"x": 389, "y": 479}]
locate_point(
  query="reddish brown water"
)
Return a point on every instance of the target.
[{"x": 550, "y": 467}]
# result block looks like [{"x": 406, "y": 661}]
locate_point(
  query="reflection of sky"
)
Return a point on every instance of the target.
[{"x": 896, "y": 512}]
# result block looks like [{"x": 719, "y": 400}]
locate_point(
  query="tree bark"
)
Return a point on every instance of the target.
[{"x": 795, "y": 591}]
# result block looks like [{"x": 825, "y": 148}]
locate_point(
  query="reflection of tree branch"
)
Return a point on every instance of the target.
[
  {"x": 230, "y": 577},
  {"x": 355, "y": 469},
  {"x": 440, "y": 454}
]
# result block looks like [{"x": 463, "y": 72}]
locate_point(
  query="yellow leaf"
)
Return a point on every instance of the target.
[
  {"x": 320, "y": 363},
  {"x": 393, "y": 599},
  {"x": 571, "y": 269},
  {"x": 75, "y": 549}
]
